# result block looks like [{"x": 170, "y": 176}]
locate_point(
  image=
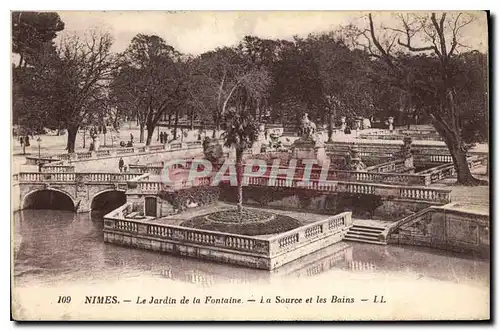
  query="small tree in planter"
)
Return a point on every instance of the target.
[{"x": 242, "y": 132}]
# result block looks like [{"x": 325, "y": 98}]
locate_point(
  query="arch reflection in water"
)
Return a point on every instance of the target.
[{"x": 48, "y": 199}]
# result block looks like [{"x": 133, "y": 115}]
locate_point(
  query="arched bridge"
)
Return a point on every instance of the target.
[{"x": 74, "y": 191}]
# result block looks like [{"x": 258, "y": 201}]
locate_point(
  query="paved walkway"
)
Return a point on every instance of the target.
[{"x": 472, "y": 198}]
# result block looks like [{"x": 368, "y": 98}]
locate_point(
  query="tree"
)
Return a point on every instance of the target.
[
  {"x": 441, "y": 37},
  {"x": 241, "y": 133},
  {"x": 231, "y": 81},
  {"x": 80, "y": 81},
  {"x": 31, "y": 31},
  {"x": 153, "y": 81},
  {"x": 34, "y": 95}
]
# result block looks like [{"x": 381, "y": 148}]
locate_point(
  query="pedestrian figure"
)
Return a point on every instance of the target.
[
  {"x": 162, "y": 137},
  {"x": 121, "y": 164},
  {"x": 27, "y": 141},
  {"x": 347, "y": 130},
  {"x": 131, "y": 138},
  {"x": 124, "y": 168},
  {"x": 40, "y": 166},
  {"x": 266, "y": 133}
]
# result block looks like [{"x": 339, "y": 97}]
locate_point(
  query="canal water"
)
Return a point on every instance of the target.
[{"x": 54, "y": 246}]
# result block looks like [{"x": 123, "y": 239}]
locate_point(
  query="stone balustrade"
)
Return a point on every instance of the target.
[
  {"x": 74, "y": 177},
  {"x": 402, "y": 192},
  {"x": 44, "y": 177},
  {"x": 324, "y": 232},
  {"x": 125, "y": 150},
  {"x": 447, "y": 170},
  {"x": 106, "y": 153},
  {"x": 50, "y": 168},
  {"x": 415, "y": 135},
  {"x": 394, "y": 166},
  {"x": 115, "y": 221},
  {"x": 303, "y": 235}
]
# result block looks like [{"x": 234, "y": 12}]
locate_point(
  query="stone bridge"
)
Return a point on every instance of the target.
[{"x": 81, "y": 188}]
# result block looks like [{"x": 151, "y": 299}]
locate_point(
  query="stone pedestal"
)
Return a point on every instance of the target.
[
  {"x": 309, "y": 149},
  {"x": 353, "y": 159},
  {"x": 406, "y": 153}
]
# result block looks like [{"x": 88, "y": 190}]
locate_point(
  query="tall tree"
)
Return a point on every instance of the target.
[
  {"x": 155, "y": 82},
  {"x": 440, "y": 34},
  {"x": 81, "y": 78},
  {"x": 31, "y": 30}
]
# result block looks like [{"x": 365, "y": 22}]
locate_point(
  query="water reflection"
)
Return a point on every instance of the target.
[{"x": 57, "y": 246}]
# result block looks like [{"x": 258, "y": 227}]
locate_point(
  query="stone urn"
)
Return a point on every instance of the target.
[
  {"x": 390, "y": 120},
  {"x": 342, "y": 123},
  {"x": 357, "y": 124}
]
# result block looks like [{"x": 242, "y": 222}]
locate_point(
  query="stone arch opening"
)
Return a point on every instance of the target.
[
  {"x": 106, "y": 201},
  {"x": 48, "y": 199}
]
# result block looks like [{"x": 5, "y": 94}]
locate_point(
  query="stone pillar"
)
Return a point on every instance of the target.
[
  {"x": 342, "y": 121},
  {"x": 406, "y": 152},
  {"x": 96, "y": 144},
  {"x": 354, "y": 151},
  {"x": 391, "y": 122}
]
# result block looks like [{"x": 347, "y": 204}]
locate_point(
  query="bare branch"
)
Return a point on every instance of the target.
[{"x": 385, "y": 55}]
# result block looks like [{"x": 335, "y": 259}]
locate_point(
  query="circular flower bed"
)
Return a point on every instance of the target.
[
  {"x": 247, "y": 216},
  {"x": 252, "y": 223}
]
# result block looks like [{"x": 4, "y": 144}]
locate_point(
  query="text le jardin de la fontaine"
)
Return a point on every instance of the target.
[{"x": 211, "y": 300}]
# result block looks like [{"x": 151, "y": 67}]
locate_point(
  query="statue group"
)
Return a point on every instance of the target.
[{"x": 307, "y": 128}]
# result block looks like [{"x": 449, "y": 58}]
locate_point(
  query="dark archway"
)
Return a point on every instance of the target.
[
  {"x": 107, "y": 201},
  {"x": 48, "y": 199}
]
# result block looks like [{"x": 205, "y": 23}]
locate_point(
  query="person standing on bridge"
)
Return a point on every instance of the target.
[
  {"x": 131, "y": 138},
  {"x": 121, "y": 164}
]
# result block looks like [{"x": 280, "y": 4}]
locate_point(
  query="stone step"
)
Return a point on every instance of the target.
[
  {"x": 372, "y": 227},
  {"x": 361, "y": 233},
  {"x": 365, "y": 229},
  {"x": 363, "y": 240}
]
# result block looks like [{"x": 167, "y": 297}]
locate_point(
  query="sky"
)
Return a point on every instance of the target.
[{"x": 196, "y": 32}]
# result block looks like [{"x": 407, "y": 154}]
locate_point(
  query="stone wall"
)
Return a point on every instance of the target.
[
  {"x": 107, "y": 164},
  {"x": 448, "y": 227},
  {"x": 367, "y": 206}
]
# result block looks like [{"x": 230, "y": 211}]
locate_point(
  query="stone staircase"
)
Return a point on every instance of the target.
[{"x": 365, "y": 233}]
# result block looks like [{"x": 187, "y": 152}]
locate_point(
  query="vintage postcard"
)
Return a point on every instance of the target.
[{"x": 257, "y": 166}]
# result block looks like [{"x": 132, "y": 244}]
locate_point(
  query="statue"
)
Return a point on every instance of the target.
[{"x": 307, "y": 128}]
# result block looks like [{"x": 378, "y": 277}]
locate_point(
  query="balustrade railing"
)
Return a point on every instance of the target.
[
  {"x": 292, "y": 239},
  {"x": 425, "y": 194},
  {"x": 156, "y": 148},
  {"x": 103, "y": 153},
  {"x": 126, "y": 150},
  {"x": 57, "y": 168},
  {"x": 44, "y": 177},
  {"x": 269, "y": 247},
  {"x": 187, "y": 235},
  {"x": 74, "y": 177}
]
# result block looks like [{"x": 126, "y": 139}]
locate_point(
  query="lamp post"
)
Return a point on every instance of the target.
[{"x": 39, "y": 141}]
